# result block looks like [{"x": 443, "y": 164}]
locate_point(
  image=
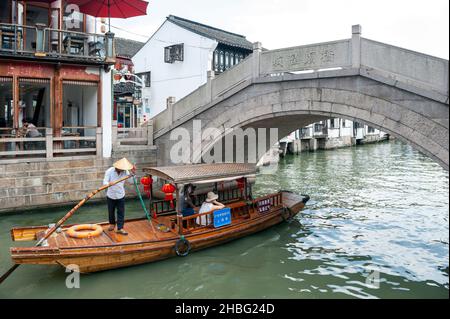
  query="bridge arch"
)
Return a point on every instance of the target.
[{"x": 297, "y": 102}]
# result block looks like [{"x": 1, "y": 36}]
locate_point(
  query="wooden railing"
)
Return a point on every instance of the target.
[
  {"x": 162, "y": 207},
  {"x": 225, "y": 196},
  {"x": 266, "y": 203},
  {"x": 42, "y": 41},
  {"x": 74, "y": 141},
  {"x": 191, "y": 222},
  {"x": 239, "y": 210},
  {"x": 205, "y": 220}
]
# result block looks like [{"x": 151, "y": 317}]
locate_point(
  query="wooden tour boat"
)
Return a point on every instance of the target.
[{"x": 167, "y": 233}]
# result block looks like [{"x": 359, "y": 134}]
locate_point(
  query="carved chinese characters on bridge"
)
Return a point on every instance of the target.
[
  {"x": 307, "y": 58},
  {"x": 278, "y": 62},
  {"x": 327, "y": 56}
]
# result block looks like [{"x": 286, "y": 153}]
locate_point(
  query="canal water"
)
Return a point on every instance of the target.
[{"x": 377, "y": 226}]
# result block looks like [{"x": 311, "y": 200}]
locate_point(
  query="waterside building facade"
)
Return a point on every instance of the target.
[{"x": 55, "y": 104}]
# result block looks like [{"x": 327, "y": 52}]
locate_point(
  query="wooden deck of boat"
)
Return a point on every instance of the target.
[
  {"x": 138, "y": 231},
  {"x": 145, "y": 243}
]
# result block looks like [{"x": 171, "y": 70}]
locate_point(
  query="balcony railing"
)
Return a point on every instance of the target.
[
  {"x": 74, "y": 141},
  {"x": 320, "y": 130},
  {"x": 305, "y": 133},
  {"x": 44, "y": 42}
]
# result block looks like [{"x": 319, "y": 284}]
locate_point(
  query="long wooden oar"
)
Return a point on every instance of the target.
[{"x": 66, "y": 217}]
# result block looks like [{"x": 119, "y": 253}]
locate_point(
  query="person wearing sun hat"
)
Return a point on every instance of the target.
[
  {"x": 208, "y": 205},
  {"x": 115, "y": 195}
]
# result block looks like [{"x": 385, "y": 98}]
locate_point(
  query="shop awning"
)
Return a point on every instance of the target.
[
  {"x": 33, "y": 81},
  {"x": 79, "y": 83}
]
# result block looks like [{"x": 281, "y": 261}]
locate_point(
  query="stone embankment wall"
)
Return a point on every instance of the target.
[
  {"x": 313, "y": 144},
  {"x": 42, "y": 184}
]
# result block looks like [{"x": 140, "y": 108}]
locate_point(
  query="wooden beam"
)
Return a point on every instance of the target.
[
  {"x": 16, "y": 101},
  {"x": 99, "y": 100},
  {"x": 58, "y": 104}
]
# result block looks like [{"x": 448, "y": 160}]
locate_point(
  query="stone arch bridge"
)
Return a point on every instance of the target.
[{"x": 401, "y": 92}]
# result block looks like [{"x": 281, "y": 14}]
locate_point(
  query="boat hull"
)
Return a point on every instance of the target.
[{"x": 99, "y": 258}]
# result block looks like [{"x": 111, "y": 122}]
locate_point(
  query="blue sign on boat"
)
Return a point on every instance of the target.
[{"x": 222, "y": 217}]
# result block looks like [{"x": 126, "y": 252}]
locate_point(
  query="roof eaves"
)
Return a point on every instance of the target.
[
  {"x": 175, "y": 18},
  {"x": 175, "y": 21}
]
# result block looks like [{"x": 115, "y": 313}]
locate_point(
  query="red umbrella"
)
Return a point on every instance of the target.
[{"x": 112, "y": 8}]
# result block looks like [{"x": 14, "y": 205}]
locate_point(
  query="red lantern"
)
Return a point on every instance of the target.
[
  {"x": 147, "y": 181},
  {"x": 168, "y": 189}
]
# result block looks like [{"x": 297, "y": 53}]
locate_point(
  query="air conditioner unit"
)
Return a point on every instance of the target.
[{"x": 174, "y": 53}]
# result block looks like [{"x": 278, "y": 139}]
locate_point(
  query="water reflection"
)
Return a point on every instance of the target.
[
  {"x": 376, "y": 208},
  {"x": 377, "y": 211}
]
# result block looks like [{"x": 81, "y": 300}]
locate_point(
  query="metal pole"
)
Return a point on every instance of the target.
[
  {"x": 178, "y": 210},
  {"x": 109, "y": 16},
  {"x": 152, "y": 210},
  {"x": 245, "y": 188}
]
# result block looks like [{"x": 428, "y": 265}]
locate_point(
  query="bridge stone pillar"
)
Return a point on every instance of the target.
[
  {"x": 210, "y": 77},
  {"x": 170, "y": 101},
  {"x": 356, "y": 46},
  {"x": 256, "y": 56}
]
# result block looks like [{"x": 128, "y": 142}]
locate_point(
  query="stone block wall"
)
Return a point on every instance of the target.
[
  {"x": 337, "y": 142},
  {"x": 41, "y": 184},
  {"x": 372, "y": 138}
]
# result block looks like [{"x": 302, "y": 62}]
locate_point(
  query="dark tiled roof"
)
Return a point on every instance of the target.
[
  {"x": 201, "y": 172},
  {"x": 126, "y": 88},
  {"x": 127, "y": 48},
  {"x": 224, "y": 37}
]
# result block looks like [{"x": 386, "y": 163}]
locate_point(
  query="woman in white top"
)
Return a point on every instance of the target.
[{"x": 208, "y": 205}]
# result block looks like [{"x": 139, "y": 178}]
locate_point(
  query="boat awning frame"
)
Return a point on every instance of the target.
[{"x": 202, "y": 173}]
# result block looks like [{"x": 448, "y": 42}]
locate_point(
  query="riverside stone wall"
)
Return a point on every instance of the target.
[{"x": 42, "y": 184}]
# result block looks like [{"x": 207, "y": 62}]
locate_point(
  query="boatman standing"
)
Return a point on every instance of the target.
[{"x": 115, "y": 195}]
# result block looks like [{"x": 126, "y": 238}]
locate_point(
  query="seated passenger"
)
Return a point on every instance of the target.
[
  {"x": 188, "y": 200},
  {"x": 208, "y": 205}
]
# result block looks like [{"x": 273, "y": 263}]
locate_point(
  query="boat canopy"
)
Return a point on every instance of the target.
[{"x": 202, "y": 173}]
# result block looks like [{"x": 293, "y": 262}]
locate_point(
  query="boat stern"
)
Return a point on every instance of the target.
[
  {"x": 26, "y": 233},
  {"x": 295, "y": 202}
]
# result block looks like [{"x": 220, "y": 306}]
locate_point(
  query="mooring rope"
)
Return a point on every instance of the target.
[{"x": 142, "y": 201}]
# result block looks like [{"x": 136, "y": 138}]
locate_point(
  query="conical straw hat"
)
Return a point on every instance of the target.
[{"x": 123, "y": 164}]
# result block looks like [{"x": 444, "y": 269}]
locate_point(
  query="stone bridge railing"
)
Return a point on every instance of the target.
[{"x": 413, "y": 71}]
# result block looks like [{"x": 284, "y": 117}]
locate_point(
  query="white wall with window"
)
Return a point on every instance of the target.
[
  {"x": 336, "y": 128},
  {"x": 178, "y": 78}
]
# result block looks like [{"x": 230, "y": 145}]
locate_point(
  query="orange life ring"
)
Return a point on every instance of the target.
[{"x": 77, "y": 231}]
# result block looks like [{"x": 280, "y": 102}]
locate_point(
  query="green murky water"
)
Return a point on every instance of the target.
[{"x": 376, "y": 227}]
